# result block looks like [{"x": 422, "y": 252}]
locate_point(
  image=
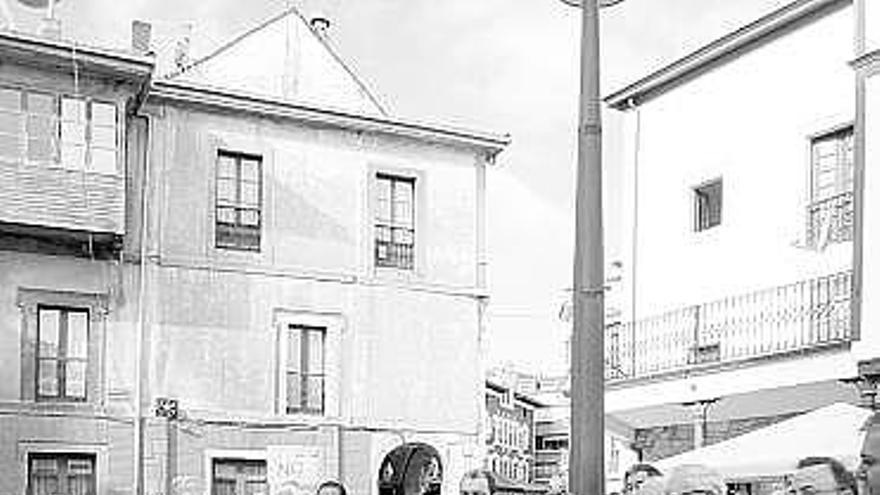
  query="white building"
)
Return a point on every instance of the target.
[{"x": 744, "y": 169}]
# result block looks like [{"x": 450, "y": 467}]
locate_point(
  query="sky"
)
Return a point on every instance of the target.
[{"x": 508, "y": 66}]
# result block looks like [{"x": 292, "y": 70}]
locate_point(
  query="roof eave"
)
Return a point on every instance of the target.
[
  {"x": 659, "y": 81},
  {"x": 33, "y": 50},
  {"x": 196, "y": 94}
]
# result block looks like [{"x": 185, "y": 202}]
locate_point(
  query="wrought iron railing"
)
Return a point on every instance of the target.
[
  {"x": 830, "y": 220},
  {"x": 790, "y": 318}
]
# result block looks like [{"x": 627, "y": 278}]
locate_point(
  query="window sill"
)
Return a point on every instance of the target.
[
  {"x": 55, "y": 167},
  {"x": 52, "y": 408}
]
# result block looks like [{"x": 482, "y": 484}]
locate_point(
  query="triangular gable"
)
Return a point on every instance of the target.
[{"x": 284, "y": 58}]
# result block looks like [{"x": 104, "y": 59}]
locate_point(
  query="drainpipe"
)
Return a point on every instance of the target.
[{"x": 140, "y": 364}]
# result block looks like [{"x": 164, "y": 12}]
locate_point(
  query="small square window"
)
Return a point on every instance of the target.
[{"x": 707, "y": 205}]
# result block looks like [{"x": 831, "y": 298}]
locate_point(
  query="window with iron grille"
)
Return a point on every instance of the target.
[
  {"x": 707, "y": 205},
  {"x": 395, "y": 221},
  {"x": 304, "y": 369},
  {"x": 830, "y": 212},
  {"x": 45, "y": 128},
  {"x": 239, "y": 477},
  {"x": 62, "y": 353},
  {"x": 239, "y": 191},
  {"x": 61, "y": 474}
]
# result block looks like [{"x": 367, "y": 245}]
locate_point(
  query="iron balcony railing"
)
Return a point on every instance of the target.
[
  {"x": 830, "y": 220},
  {"x": 796, "y": 317}
]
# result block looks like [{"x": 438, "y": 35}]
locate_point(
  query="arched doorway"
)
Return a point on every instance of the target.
[{"x": 411, "y": 469}]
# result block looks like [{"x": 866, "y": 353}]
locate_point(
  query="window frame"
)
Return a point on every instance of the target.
[
  {"x": 238, "y": 229},
  {"x": 830, "y": 217},
  {"x": 56, "y": 135},
  {"x": 241, "y": 479},
  {"x": 840, "y": 134},
  {"x": 304, "y": 375},
  {"x": 704, "y": 218},
  {"x": 62, "y": 358},
  {"x": 29, "y": 300},
  {"x": 62, "y": 473},
  {"x": 404, "y": 262}
]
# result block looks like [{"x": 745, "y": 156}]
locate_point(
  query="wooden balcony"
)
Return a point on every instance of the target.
[
  {"x": 61, "y": 198},
  {"x": 809, "y": 315},
  {"x": 60, "y": 165}
]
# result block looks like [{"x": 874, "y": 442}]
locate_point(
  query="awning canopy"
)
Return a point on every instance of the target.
[{"x": 832, "y": 431}]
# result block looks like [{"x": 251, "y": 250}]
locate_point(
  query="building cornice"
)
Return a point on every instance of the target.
[
  {"x": 225, "y": 99},
  {"x": 733, "y": 43},
  {"x": 67, "y": 56}
]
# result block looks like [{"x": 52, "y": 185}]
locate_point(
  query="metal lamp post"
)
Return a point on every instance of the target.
[{"x": 586, "y": 458}]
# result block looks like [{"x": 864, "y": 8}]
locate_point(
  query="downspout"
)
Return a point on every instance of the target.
[
  {"x": 140, "y": 364},
  {"x": 631, "y": 104},
  {"x": 482, "y": 303}
]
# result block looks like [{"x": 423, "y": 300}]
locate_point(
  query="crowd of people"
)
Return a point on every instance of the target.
[{"x": 814, "y": 475}]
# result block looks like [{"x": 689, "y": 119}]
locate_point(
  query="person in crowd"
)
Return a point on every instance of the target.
[
  {"x": 823, "y": 475},
  {"x": 331, "y": 487},
  {"x": 868, "y": 472},
  {"x": 637, "y": 474},
  {"x": 694, "y": 479}
]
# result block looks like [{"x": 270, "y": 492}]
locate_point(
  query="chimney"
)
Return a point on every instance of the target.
[
  {"x": 50, "y": 26},
  {"x": 141, "y": 37},
  {"x": 181, "y": 52},
  {"x": 320, "y": 22}
]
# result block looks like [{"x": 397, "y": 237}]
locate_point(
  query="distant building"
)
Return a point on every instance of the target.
[
  {"x": 552, "y": 444},
  {"x": 510, "y": 428}
]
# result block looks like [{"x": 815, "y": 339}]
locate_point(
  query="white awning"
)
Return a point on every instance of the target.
[{"x": 832, "y": 431}]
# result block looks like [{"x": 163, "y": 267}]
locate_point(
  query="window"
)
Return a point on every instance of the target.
[
  {"x": 77, "y": 133},
  {"x": 707, "y": 205},
  {"x": 395, "y": 221},
  {"x": 61, "y": 474},
  {"x": 304, "y": 370},
  {"x": 238, "y": 477},
  {"x": 830, "y": 213},
  {"x": 62, "y": 353},
  {"x": 239, "y": 190}
]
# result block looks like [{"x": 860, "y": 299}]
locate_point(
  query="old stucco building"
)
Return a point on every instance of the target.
[{"x": 246, "y": 274}]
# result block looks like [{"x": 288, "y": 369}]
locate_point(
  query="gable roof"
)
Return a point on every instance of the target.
[
  {"x": 182, "y": 92},
  {"x": 284, "y": 58},
  {"x": 719, "y": 51}
]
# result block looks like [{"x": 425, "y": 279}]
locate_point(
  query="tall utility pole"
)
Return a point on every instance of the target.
[{"x": 586, "y": 462}]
